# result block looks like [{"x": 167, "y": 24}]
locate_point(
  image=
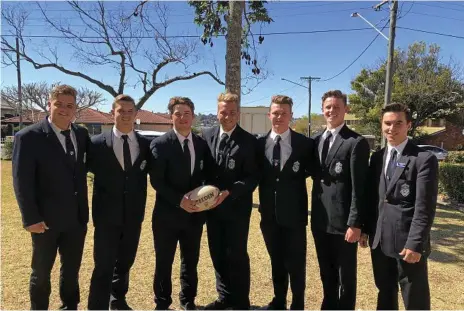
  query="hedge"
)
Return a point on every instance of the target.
[
  {"x": 451, "y": 181},
  {"x": 7, "y": 150},
  {"x": 455, "y": 157}
]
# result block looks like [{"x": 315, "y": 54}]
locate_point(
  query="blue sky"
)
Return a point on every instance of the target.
[{"x": 289, "y": 56}]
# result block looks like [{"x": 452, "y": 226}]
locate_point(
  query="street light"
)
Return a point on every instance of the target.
[{"x": 356, "y": 14}]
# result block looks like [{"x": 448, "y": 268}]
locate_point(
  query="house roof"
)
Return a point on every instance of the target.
[
  {"x": 93, "y": 116},
  {"x": 148, "y": 117}
]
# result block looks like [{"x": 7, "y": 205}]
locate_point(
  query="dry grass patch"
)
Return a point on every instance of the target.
[{"x": 446, "y": 264}]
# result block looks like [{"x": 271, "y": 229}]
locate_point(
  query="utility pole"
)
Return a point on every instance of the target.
[
  {"x": 391, "y": 54},
  {"x": 20, "y": 97},
  {"x": 309, "y": 79}
]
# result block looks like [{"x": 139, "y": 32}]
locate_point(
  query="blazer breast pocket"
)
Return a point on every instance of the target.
[
  {"x": 404, "y": 190},
  {"x": 338, "y": 168}
]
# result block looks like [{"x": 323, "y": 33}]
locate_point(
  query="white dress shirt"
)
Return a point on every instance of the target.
[
  {"x": 399, "y": 152},
  {"x": 285, "y": 146},
  {"x": 62, "y": 138},
  {"x": 118, "y": 148},
  {"x": 181, "y": 139},
  {"x": 334, "y": 132}
]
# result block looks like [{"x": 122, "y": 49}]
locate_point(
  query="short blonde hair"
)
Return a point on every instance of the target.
[
  {"x": 122, "y": 97},
  {"x": 228, "y": 97},
  {"x": 62, "y": 89},
  {"x": 178, "y": 100},
  {"x": 282, "y": 100}
]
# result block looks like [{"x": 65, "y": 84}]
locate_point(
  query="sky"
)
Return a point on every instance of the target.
[{"x": 287, "y": 55}]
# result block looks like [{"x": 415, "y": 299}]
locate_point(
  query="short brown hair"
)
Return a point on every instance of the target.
[
  {"x": 62, "y": 89},
  {"x": 178, "y": 100},
  {"x": 282, "y": 100},
  {"x": 228, "y": 97},
  {"x": 397, "y": 107},
  {"x": 122, "y": 97},
  {"x": 336, "y": 94}
]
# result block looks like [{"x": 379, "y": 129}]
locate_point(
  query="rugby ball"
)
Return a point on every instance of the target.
[{"x": 204, "y": 197}]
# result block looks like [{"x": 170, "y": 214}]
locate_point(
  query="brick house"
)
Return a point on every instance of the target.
[{"x": 448, "y": 138}]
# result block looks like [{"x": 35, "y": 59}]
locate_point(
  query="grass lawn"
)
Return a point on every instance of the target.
[{"x": 446, "y": 264}]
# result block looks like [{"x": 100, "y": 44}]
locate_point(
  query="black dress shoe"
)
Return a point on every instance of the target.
[
  {"x": 119, "y": 305},
  {"x": 188, "y": 306},
  {"x": 219, "y": 305},
  {"x": 158, "y": 307}
]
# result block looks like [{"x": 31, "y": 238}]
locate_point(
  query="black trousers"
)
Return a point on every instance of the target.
[
  {"x": 70, "y": 246},
  {"x": 287, "y": 248},
  {"x": 115, "y": 248},
  {"x": 228, "y": 242},
  {"x": 337, "y": 264},
  {"x": 412, "y": 278},
  {"x": 167, "y": 233}
]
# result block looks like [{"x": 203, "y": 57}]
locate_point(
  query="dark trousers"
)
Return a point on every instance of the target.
[
  {"x": 167, "y": 233},
  {"x": 228, "y": 242},
  {"x": 115, "y": 248},
  {"x": 287, "y": 248},
  {"x": 70, "y": 246},
  {"x": 412, "y": 278},
  {"x": 337, "y": 264}
]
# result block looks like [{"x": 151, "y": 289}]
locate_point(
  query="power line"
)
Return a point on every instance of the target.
[
  {"x": 263, "y": 98},
  {"x": 437, "y": 16},
  {"x": 439, "y": 6},
  {"x": 359, "y": 56},
  {"x": 264, "y": 34},
  {"x": 432, "y": 32}
]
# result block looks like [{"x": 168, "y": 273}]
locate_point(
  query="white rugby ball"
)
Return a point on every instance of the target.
[{"x": 204, "y": 197}]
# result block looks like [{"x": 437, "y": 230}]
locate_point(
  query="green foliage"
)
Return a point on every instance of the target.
[
  {"x": 451, "y": 181},
  {"x": 317, "y": 124},
  {"x": 7, "y": 150},
  {"x": 431, "y": 89},
  {"x": 213, "y": 16},
  {"x": 455, "y": 157}
]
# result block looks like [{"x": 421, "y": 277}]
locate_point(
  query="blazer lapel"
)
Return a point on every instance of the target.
[
  {"x": 402, "y": 163},
  {"x": 198, "y": 160},
  {"x": 54, "y": 141},
  {"x": 108, "y": 137},
  {"x": 382, "y": 177},
  {"x": 214, "y": 141},
  {"x": 81, "y": 144},
  {"x": 289, "y": 162},
  {"x": 333, "y": 150}
]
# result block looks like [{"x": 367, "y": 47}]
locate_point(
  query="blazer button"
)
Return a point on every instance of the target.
[
  {"x": 385, "y": 201},
  {"x": 277, "y": 179},
  {"x": 322, "y": 180},
  {"x": 75, "y": 193}
]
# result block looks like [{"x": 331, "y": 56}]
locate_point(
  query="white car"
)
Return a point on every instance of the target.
[
  {"x": 440, "y": 153},
  {"x": 150, "y": 134}
]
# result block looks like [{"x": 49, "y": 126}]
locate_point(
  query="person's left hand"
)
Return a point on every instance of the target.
[
  {"x": 352, "y": 235},
  {"x": 410, "y": 256},
  {"x": 221, "y": 197}
]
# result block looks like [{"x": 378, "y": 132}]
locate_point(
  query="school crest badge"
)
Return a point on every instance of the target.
[
  {"x": 143, "y": 164},
  {"x": 404, "y": 190},
  {"x": 231, "y": 164},
  {"x": 296, "y": 166},
  {"x": 338, "y": 167}
]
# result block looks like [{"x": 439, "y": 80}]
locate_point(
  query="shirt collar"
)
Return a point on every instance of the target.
[
  {"x": 283, "y": 136},
  {"x": 55, "y": 128},
  {"x": 334, "y": 131},
  {"x": 117, "y": 133},
  {"x": 229, "y": 133},
  {"x": 181, "y": 138},
  {"x": 399, "y": 148}
]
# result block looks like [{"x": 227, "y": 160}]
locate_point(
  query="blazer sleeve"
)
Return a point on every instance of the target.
[
  {"x": 371, "y": 197},
  {"x": 425, "y": 204},
  {"x": 24, "y": 178},
  {"x": 158, "y": 173},
  {"x": 250, "y": 176},
  {"x": 359, "y": 163}
]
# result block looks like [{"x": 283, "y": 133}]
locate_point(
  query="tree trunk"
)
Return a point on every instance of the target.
[{"x": 234, "y": 48}]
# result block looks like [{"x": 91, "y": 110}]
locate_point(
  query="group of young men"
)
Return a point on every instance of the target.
[{"x": 388, "y": 204}]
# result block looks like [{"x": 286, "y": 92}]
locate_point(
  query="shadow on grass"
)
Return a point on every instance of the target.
[{"x": 448, "y": 236}]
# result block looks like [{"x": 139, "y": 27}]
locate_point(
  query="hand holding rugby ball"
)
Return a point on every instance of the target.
[{"x": 204, "y": 197}]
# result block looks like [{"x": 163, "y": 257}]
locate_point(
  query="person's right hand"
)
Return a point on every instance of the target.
[
  {"x": 37, "y": 228},
  {"x": 188, "y": 205}
]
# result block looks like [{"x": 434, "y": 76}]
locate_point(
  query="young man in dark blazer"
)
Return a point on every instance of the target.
[
  {"x": 119, "y": 161},
  {"x": 338, "y": 202},
  {"x": 403, "y": 197},
  {"x": 181, "y": 161},
  {"x": 50, "y": 183},
  {"x": 285, "y": 160},
  {"x": 236, "y": 175}
]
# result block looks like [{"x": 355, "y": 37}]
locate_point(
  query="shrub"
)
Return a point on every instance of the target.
[
  {"x": 455, "y": 157},
  {"x": 451, "y": 181},
  {"x": 7, "y": 150}
]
